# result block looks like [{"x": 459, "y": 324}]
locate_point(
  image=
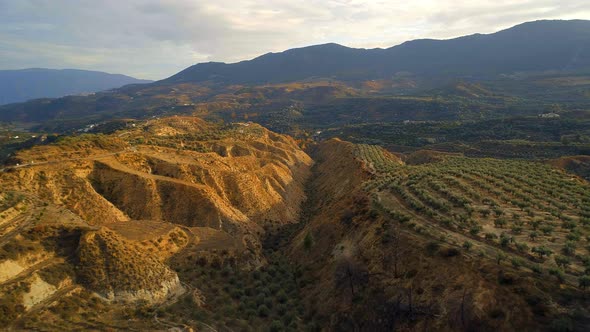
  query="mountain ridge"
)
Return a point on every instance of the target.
[
  {"x": 20, "y": 85},
  {"x": 531, "y": 46}
]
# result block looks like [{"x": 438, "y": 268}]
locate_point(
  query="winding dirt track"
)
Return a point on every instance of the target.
[{"x": 131, "y": 150}]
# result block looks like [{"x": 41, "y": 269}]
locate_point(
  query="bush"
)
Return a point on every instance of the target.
[
  {"x": 282, "y": 296},
  {"x": 522, "y": 247},
  {"x": 517, "y": 229},
  {"x": 308, "y": 241},
  {"x": 491, "y": 236},
  {"x": 569, "y": 248},
  {"x": 500, "y": 257},
  {"x": 276, "y": 326},
  {"x": 500, "y": 222},
  {"x": 516, "y": 262},
  {"x": 537, "y": 269},
  {"x": 263, "y": 311},
  {"x": 558, "y": 274},
  {"x": 475, "y": 230},
  {"x": 584, "y": 282},
  {"x": 505, "y": 240},
  {"x": 562, "y": 261},
  {"x": 542, "y": 251},
  {"x": 547, "y": 229},
  {"x": 467, "y": 245}
]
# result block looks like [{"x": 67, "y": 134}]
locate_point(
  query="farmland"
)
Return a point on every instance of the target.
[{"x": 524, "y": 213}]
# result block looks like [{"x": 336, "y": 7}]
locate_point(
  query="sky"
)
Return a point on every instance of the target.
[{"x": 155, "y": 39}]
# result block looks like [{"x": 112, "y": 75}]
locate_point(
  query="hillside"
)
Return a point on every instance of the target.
[
  {"x": 25, "y": 84},
  {"x": 177, "y": 222},
  {"x": 449, "y": 243},
  {"x": 98, "y": 218}
]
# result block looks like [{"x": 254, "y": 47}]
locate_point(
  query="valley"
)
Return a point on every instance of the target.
[{"x": 177, "y": 222}]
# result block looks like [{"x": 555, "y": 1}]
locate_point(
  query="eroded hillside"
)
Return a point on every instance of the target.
[
  {"x": 97, "y": 218},
  {"x": 178, "y": 223}
]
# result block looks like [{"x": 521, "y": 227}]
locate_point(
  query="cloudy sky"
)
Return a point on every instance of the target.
[{"x": 155, "y": 39}]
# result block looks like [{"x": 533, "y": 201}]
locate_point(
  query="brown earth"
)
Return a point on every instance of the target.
[
  {"x": 366, "y": 272},
  {"x": 171, "y": 205},
  {"x": 117, "y": 207}
]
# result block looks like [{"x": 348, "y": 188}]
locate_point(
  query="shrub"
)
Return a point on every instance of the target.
[
  {"x": 500, "y": 222},
  {"x": 263, "y": 311},
  {"x": 308, "y": 241},
  {"x": 485, "y": 212},
  {"x": 505, "y": 240},
  {"x": 573, "y": 236},
  {"x": 491, "y": 236},
  {"x": 558, "y": 274},
  {"x": 562, "y": 261},
  {"x": 533, "y": 235},
  {"x": 522, "y": 247},
  {"x": 569, "y": 248},
  {"x": 467, "y": 245},
  {"x": 517, "y": 229},
  {"x": 276, "y": 326},
  {"x": 516, "y": 262},
  {"x": 546, "y": 229},
  {"x": 584, "y": 282},
  {"x": 537, "y": 269},
  {"x": 542, "y": 251},
  {"x": 475, "y": 230}
]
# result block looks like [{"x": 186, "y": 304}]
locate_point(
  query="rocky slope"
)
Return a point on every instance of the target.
[
  {"x": 111, "y": 210},
  {"x": 118, "y": 269}
]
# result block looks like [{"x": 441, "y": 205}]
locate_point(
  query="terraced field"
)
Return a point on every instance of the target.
[{"x": 522, "y": 213}]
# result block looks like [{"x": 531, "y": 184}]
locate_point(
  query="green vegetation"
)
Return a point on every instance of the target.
[
  {"x": 263, "y": 299},
  {"x": 538, "y": 211}
]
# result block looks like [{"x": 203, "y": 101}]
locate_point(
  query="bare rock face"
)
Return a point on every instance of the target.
[
  {"x": 235, "y": 178},
  {"x": 119, "y": 270},
  {"x": 113, "y": 211},
  {"x": 168, "y": 288}
]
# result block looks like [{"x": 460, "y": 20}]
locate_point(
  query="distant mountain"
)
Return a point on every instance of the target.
[
  {"x": 515, "y": 71},
  {"x": 528, "y": 47},
  {"x": 22, "y": 85}
]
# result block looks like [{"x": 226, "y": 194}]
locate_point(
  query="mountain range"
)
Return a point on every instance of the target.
[
  {"x": 25, "y": 84},
  {"x": 534, "y": 46},
  {"x": 516, "y": 71}
]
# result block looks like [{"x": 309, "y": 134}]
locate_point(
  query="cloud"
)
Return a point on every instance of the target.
[{"x": 155, "y": 39}]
